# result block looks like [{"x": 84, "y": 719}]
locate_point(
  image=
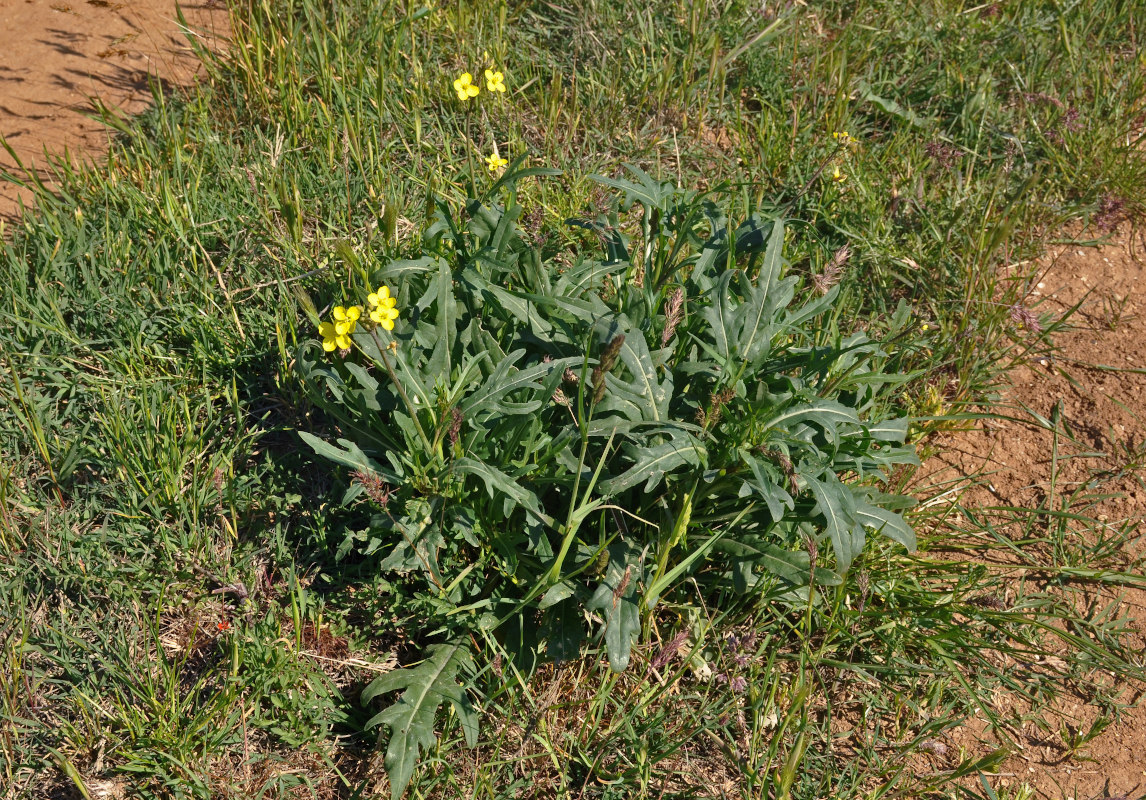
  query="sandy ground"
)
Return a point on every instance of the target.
[{"x": 57, "y": 55}]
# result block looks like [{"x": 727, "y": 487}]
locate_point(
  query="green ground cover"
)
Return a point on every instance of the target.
[{"x": 194, "y": 600}]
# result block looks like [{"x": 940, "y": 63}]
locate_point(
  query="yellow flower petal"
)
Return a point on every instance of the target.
[
  {"x": 388, "y": 324},
  {"x": 339, "y": 312},
  {"x": 494, "y": 81}
]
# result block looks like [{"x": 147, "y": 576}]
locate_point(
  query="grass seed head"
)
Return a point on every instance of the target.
[{"x": 674, "y": 311}]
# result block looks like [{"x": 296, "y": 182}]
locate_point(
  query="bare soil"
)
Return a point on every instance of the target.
[
  {"x": 56, "y": 56},
  {"x": 1074, "y": 437}
]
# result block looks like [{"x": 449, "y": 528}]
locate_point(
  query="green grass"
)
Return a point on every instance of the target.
[{"x": 148, "y": 401}]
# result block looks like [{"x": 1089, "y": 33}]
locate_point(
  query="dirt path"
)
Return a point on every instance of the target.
[
  {"x": 1075, "y": 441},
  {"x": 57, "y": 54}
]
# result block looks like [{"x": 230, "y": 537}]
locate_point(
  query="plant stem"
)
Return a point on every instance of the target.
[{"x": 402, "y": 393}]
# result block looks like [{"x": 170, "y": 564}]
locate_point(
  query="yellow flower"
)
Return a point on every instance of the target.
[
  {"x": 838, "y": 176},
  {"x": 346, "y": 319},
  {"x": 494, "y": 163},
  {"x": 843, "y": 137},
  {"x": 331, "y": 338},
  {"x": 494, "y": 81},
  {"x": 465, "y": 87},
  {"x": 385, "y": 316},
  {"x": 383, "y": 312},
  {"x": 380, "y": 298}
]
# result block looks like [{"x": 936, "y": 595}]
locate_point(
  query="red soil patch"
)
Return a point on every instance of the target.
[{"x": 59, "y": 54}]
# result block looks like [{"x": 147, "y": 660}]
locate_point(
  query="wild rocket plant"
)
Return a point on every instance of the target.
[{"x": 551, "y": 448}]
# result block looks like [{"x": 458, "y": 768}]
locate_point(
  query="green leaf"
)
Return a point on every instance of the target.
[
  {"x": 835, "y": 502},
  {"x": 421, "y": 539},
  {"x": 889, "y": 523},
  {"x": 888, "y": 430},
  {"x": 793, "y": 566},
  {"x": 446, "y": 323},
  {"x": 564, "y": 629},
  {"x": 562, "y": 590},
  {"x": 351, "y": 456},
  {"x": 497, "y": 481},
  {"x": 794, "y": 319},
  {"x": 764, "y": 297},
  {"x": 411, "y": 718},
  {"x": 397, "y": 269},
  {"x": 775, "y": 496},
  {"x": 655, "y": 394},
  {"x": 652, "y": 462},
  {"x": 720, "y": 315},
  {"x": 650, "y": 193},
  {"x": 889, "y": 106},
  {"x": 826, "y": 413},
  {"x": 619, "y": 605},
  {"x": 506, "y": 379}
]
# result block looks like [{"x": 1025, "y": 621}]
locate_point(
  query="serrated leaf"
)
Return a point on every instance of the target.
[
  {"x": 421, "y": 539},
  {"x": 649, "y": 193},
  {"x": 888, "y": 430},
  {"x": 584, "y": 276},
  {"x": 411, "y": 718},
  {"x": 350, "y": 456},
  {"x": 768, "y": 293},
  {"x": 497, "y": 481},
  {"x": 399, "y": 268},
  {"x": 506, "y": 379},
  {"x": 720, "y": 315},
  {"x": 775, "y": 496},
  {"x": 793, "y": 566},
  {"x": 446, "y": 323},
  {"x": 637, "y": 359}
]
